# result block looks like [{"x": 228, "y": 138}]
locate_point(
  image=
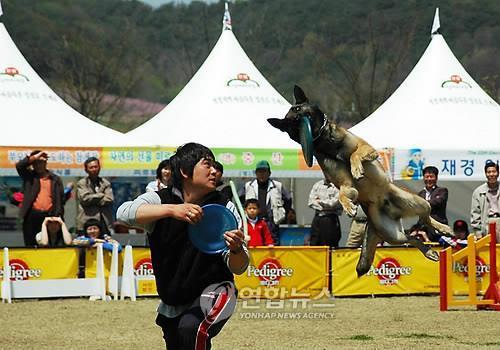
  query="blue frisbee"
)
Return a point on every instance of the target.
[
  {"x": 208, "y": 234},
  {"x": 306, "y": 140}
]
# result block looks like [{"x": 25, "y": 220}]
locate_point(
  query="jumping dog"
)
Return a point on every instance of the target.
[{"x": 352, "y": 165}]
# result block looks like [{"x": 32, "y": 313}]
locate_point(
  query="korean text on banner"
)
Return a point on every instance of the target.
[{"x": 143, "y": 270}]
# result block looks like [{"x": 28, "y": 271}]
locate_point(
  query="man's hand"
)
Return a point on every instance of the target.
[
  {"x": 191, "y": 213},
  {"x": 39, "y": 156},
  {"x": 234, "y": 240}
]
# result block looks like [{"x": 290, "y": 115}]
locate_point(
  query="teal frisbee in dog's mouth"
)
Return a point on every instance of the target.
[{"x": 306, "y": 140}]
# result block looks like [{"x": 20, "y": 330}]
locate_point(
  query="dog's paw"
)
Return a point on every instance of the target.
[
  {"x": 350, "y": 208},
  {"x": 357, "y": 172},
  {"x": 432, "y": 255},
  {"x": 446, "y": 230}
]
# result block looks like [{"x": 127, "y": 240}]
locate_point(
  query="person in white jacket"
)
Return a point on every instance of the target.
[
  {"x": 325, "y": 227},
  {"x": 485, "y": 204},
  {"x": 274, "y": 200}
]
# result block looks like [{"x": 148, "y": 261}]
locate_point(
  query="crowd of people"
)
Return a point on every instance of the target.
[
  {"x": 196, "y": 290},
  {"x": 43, "y": 199},
  {"x": 267, "y": 204}
]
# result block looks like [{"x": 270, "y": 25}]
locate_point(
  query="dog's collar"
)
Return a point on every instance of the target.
[{"x": 325, "y": 120}]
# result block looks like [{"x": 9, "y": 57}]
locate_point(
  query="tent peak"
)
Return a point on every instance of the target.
[
  {"x": 226, "y": 19},
  {"x": 436, "y": 26}
]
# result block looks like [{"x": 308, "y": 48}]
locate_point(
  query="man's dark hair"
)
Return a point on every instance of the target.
[
  {"x": 185, "y": 159},
  {"x": 251, "y": 201},
  {"x": 218, "y": 166},
  {"x": 32, "y": 153},
  {"x": 165, "y": 163},
  {"x": 89, "y": 160},
  {"x": 431, "y": 170},
  {"x": 490, "y": 164}
]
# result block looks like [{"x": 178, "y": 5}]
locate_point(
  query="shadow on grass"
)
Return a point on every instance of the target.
[
  {"x": 422, "y": 336},
  {"x": 362, "y": 337}
]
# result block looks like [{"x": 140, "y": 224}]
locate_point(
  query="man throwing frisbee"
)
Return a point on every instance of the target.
[{"x": 196, "y": 289}]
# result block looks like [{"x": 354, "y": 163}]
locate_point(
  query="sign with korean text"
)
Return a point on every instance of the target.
[
  {"x": 143, "y": 271},
  {"x": 452, "y": 165}
]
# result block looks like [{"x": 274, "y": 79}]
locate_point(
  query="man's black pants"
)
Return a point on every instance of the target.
[{"x": 325, "y": 230}]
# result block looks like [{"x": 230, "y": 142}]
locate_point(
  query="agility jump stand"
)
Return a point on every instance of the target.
[{"x": 491, "y": 298}]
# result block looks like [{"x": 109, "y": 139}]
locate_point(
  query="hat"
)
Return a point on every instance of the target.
[
  {"x": 263, "y": 164},
  {"x": 460, "y": 226}
]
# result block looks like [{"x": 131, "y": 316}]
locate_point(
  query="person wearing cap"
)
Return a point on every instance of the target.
[
  {"x": 325, "y": 227},
  {"x": 274, "y": 200},
  {"x": 485, "y": 204},
  {"x": 461, "y": 231},
  {"x": 437, "y": 198},
  {"x": 95, "y": 197},
  {"x": 43, "y": 194}
]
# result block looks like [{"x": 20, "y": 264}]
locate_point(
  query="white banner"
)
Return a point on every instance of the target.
[{"x": 453, "y": 165}]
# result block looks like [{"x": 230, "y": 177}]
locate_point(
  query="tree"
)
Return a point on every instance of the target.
[
  {"x": 364, "y": 73},
  {"x": 98, "y": 68}
]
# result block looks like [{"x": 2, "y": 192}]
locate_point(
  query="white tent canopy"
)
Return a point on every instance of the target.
[
  {"x": 438, "y": 116},
  {"x": 225, "y": 105},
  {"x": 32, "y": 115},
  {"x": 438, "y": 106}
]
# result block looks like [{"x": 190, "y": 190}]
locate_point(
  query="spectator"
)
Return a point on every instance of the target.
[
  {"x": 325, "y": 227},
  {"x": 43, "y": 194},
  {"x": 184, "y": 275},
  {"x": 257, "y": 228},
  {"x": 461, "y": 231},
  {"x": 291, "y": 217},
  {"x": 94, "y": 235},
  {"x": 437, "y": 198},
  {"x": 274, "y": 200},
  {"x": 163, "y": 177},
  {"x": 421, "y": 232},
  {"x": 54, "y": 233},
  {"x": 224, "y": 189},
  {"x": 95, "y": 197},
  {"x": 485, "y": 203},
  {"x": 358, "y": 229}
]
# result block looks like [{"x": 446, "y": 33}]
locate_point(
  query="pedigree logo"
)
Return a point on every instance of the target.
[
  {"x": 144, "y": 268},
  {"x": 12, "y": 74},
  {"x": 388, "y": 271},
  {"x": 456, "y": 82},
  {"x": 269, "y": 272},
  {"x": 19, "y": 270},
  {"x": 462, "y": 267},
  {"x": 242, "y": 80}
]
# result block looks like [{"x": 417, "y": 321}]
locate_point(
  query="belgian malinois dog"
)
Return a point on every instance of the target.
[{"x": 352, "y": 165}]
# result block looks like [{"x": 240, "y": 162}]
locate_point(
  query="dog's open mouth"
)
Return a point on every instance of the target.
[{"x": 299, "y": 129}]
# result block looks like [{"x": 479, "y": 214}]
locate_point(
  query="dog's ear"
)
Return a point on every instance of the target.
[
  {"x": 300, "y": 96},
  {"x": 278, "y": 123}
]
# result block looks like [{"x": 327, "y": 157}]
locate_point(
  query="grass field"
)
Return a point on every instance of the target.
[{"x": 365, "y": 323}]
